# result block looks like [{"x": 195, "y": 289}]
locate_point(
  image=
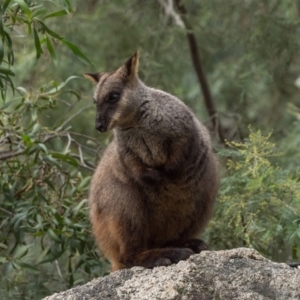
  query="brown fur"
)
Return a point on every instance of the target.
[{"x": 154, "y": 188}]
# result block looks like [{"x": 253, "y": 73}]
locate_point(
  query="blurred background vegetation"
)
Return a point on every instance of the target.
[{"x": 48, "y": 146}]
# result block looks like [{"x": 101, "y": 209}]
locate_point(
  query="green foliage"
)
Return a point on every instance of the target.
[
  {"x": 27, "y": 13},
  {"x": 45, "y": 167},
  {"x": 259, "y": 202},
  {"x": 43, "y": 183}
]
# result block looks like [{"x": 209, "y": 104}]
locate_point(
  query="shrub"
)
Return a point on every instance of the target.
[
  {"x": 45, "y": 172},
  {"x": 259, "y": 202}
]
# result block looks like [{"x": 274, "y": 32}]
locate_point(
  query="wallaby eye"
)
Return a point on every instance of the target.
[{"x": 113, "y": 97}]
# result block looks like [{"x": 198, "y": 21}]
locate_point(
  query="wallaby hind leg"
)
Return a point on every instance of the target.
[{"x": 196, "y": 245}]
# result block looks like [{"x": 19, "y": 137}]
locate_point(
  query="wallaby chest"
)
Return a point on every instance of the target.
[
  {"x": 169, "y": 217},
  {"x": 147, "y": 148}
]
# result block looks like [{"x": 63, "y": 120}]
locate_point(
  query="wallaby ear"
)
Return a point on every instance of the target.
[
  {"x": 131, "y": 67},
  {"x": 94, "y": 77}
]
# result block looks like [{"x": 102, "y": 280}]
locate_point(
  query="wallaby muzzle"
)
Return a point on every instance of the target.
[{"x": 99, "y": 126}]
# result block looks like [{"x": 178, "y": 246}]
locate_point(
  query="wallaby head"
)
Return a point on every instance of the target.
[{"x": 116, "y": 95}]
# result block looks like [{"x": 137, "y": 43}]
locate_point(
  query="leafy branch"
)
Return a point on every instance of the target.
[{"x": 31, "y": 16}]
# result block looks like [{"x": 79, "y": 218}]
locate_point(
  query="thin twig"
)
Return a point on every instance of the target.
[
  {"x": 80, "y": 155},
  {"x": 75, "y": 115},
  {"x": 86, "y": 165},
  {"x": 5, "y": 155},
  {"x": 200, "y": 72},
  {"x": 6, "y": 211},
  {"x": 58, "y": 269},
  {"x": 169, "y": 11},
  {"x": 69, "y": 143},
  {"x": 3, "y": 222},
  {"x": 85, "y": 136}
]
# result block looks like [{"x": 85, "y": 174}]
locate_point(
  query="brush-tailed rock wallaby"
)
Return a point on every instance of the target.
[{"x": 154, "y": 188}]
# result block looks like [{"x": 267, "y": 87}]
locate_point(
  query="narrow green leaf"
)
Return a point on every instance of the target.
[
  {"x": 16, "y": 266},
  {"x": 59, "y": 218},
  {"x": 9, "y": 81},
  {"x": 33, "y": 149},
  {"x": 53, "y": 235},
  {"x": 29, "y": 28},
  {"x": 70, "y": 270},
  {"x": 2, "y": 91},
  {"x": 78, "y": 207},
  {"x": 67, "y": 6},
  {"x": 52, "y": 161},
  {"x": 1, "y": 47},
  {"x": 37, "y": 43},
  {"x": 10, "y": 53},
  {"x": 25, "y": 8},
  {"x": 56, "y": 14},
  {"x": 84, "y": 182},
  {"x": 65, "y": 157},
  {"x": 1, "y": 22},
  {"x": 77, "y": 52},
  {"x": 22, "y": 90},
  {"x": 22, "y": 251},
  {"x": 43, "y": 147},
  {"x": 39, "y": 12},
  {"x": 49, "y": 31},
  {"x": 3, "y": 88},
  {"x": 17, "y": 223},
  {"x": 3, "y": 246},
  {"x": 3, "y": 259},
  {"x": 5, "y": 5},
  {"x": 37, "y": 8},
  {"x": 77, "y": 94},
  {"x": 50, "y": 49},
  {"x": 28, "y": 266},
  {"x": 52, "y": 257},
  {"x": 36, "y": 128},
  {"x": 39, "y": 219},
  {"x": 26, "y": 139},
  {"x": 7, "y": 104},
  {"x": 50, "y": 184},
  {"x": 59, "y": 87},
  {"x": 7, "y": 71}
]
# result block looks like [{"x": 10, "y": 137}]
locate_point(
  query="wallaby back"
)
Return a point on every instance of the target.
[{"x": 154, "y": 188}]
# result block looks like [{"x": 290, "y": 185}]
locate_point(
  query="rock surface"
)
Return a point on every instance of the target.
[{"x": 233, "y": 274}]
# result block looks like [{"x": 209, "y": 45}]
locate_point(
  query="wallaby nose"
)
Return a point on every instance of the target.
[{"x": 99, "y": 126}]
